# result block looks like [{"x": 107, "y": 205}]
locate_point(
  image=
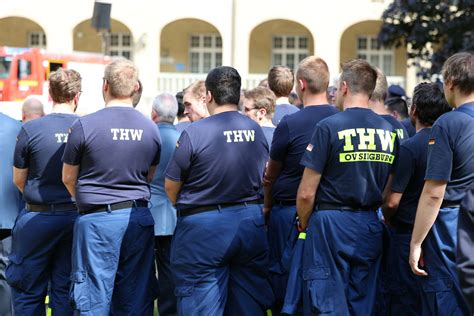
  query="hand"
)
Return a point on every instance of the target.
[
  {"x": 416, "y": 260},
  {"x": 266, "y": 210},
  {"x": 300, "y": 228}
]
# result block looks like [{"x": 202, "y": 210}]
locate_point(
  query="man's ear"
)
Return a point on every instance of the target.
[
  {"x": 344, "y": 88},
  {"x": 302, "y": 84}
]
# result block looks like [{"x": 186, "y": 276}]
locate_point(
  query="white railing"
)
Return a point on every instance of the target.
[{"x": 174, "y": 82}]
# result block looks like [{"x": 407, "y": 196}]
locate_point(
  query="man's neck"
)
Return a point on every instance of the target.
[
  {"x": 282, "y": 100},
  {"x": 127, "y": 102},
  {"x": 356, "y": 101},
  {"x": 65, "y": 108},
  {"x": 225, "y": 108},
  {"x": 419, "y": 126},
  {"x": 315, "y": 99},
  {"x": 266, "y": 122},
  {"x": 462, "y": 99},
  {"x": 378, "y": 107}
]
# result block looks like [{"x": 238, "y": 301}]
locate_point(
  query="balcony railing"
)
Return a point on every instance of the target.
[{"x": 174, "y": 82}]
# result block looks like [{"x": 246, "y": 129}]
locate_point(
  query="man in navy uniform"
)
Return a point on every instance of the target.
[
  {"x": 110, "y": 157},
  {"x": 465, "y": 254},
  {"x": 281, "y": 81},
  {"x": 219, "y": 253},
  {"x": 400, "y": 203},
  {"x": 347, "y": 164},
  {"x": 284, "y": 171},
  {"x": 259, "y": 105},
  {"x": 377, "y": 104},
  {"x": 163, "y": 113},
  {"x": 10, "y": 203},
  {"x": 449, "y": 173},
  {"x": 42, "y": 237}
]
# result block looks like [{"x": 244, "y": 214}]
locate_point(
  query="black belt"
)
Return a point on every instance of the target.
[
  {"x": 206, "y": 208},
  {"x": 335, "y": 206},
  {"x": 449, "y": 204},
  {"x": 403, "y": 228},
  {"x": 115, "y": 206},
  {"x": 51, "y": 207},
  {"x": 284, "y": 202}
]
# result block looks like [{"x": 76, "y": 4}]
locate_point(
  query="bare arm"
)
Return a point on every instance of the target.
[
  {"x": 172, "y": 189},
  {"x": 426, "y": 213},
  {"x": 19, "y": 178},
  {"x": 306, "y": 195},
  {"x": 390, "y": 205},
  {"x": 271, "y": 174},
  {"x": 151, "y": 173},
  {"x": 70, "y": 174}
]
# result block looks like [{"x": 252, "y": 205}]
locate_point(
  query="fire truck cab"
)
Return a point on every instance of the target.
[{"x": 25, "y": 72}]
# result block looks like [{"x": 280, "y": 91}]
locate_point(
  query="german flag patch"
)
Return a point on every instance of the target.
[{"x": 431, "y": 141}]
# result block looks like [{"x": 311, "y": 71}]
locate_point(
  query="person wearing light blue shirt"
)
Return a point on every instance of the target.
[
  {"x": 164, "y": 110},
  {"x": 10, "y": 203}
]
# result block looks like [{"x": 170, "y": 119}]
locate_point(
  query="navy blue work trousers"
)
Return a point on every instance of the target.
[
  {"x": 41, "y": 254},
  {"x": 341, "y": 260},
  {"x": 220, "y": 262}
]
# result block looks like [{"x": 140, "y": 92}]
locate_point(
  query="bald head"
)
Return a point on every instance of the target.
[{"x": 32, "y": 109}]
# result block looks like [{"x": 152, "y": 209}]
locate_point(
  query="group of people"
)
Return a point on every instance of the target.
[{"x": 242, "y": 201}]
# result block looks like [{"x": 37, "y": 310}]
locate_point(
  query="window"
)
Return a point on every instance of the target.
[
  {"x": 37, "y": 39},
  {"x": 289, "y": 50},
  {"x": 368, "y": 48},
  {"x": 24, "y": 68},
  {"x": 120, "y": 44},
  {"x": 205, "y": 52}
]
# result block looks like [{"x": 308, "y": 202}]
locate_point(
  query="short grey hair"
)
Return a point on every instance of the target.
[{"x": 165, "y": 106}]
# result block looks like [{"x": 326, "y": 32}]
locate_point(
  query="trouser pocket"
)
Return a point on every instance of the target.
[
  {"x": 439, "y": 297},
  {"x": 17, "y": 274},
  {"x": 79, "y": 297},
  {"x": 321, "y": 290}
]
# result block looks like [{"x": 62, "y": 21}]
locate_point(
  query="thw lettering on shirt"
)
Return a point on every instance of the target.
[
  {"x": 240, "y": 136},
  {"x": 61, "y": 137},
  {"x": 132, "y": 134},
  {"x": 364, "y": 140}
]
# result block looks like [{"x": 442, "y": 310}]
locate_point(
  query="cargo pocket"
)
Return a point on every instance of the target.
[
  {"x": 440, "y": 296},
  {"x": 185, "y": 299},
  {"x": 17, "y": 274},
  {"x": 79, "y": 296},
  {"x": 321, "y": 289}
]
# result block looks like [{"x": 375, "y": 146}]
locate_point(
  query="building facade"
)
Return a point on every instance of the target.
[{"x": 176, "y": 42}]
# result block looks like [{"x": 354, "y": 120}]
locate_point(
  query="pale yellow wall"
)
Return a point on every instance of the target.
[
  {"x": 370, "y": 28},
  {"x": 14, "y": 31},
  {"x": 260, "y": 47},
  {"x": 174, "y": 41},
  {"x": 87, "y": 39}
]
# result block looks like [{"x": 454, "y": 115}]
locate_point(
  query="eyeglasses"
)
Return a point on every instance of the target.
[{"x": 248, "y": 110}]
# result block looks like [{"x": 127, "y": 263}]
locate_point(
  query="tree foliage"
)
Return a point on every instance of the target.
[{"x": 434, "y": 30}]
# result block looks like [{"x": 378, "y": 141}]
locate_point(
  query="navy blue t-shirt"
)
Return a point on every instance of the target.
[
  {"x": 401, "y": 130},
  {"x": 40, "y": 146},
  {"x": 268, "y": 132},
  {"x": 281, "y": 110},
  {"x": 219, "y": 159},
  {"x": 409, "y": 175},
  {"x": 115, "y": 148},
  {"x": 451, "y": 152},
  {"x": 355, "y": 151},
  {"x": 290, "y": 139}
]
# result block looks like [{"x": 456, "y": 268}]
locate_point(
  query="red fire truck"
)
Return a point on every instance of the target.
[{"x": 24, "y": 72}]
